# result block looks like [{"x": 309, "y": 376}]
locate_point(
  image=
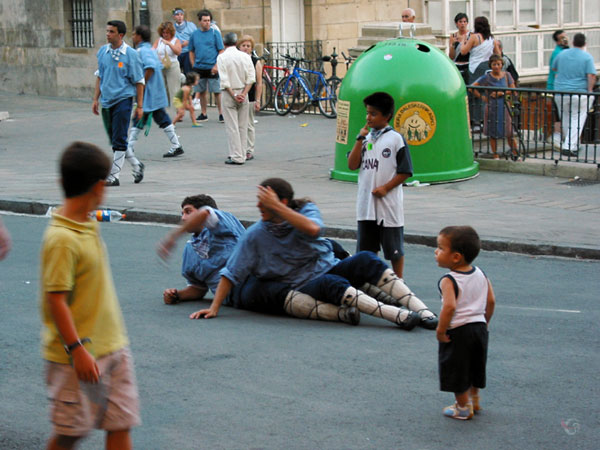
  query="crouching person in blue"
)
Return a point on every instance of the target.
[
  {"x": 215, "y": 234},
  {"x": 286, "y": 247},
  {"x": 118, "y": 79}
]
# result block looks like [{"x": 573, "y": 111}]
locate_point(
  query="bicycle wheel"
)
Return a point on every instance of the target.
[
  {"x": 328, "y": 98},
  {"x": 285, "y": 94},
  {"x": 266, "y": 96},
  {"x": 302, "y": 100}
]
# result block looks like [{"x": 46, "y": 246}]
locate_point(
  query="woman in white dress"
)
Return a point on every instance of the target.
[{"x": 168, "y": 46}]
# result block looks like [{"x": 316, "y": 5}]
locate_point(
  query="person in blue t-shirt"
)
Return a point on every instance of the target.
[
  {"x": 120, "y": 77},
  {"x": 286, "y": 247},
  {"x": 183, "y": 31},
  {"x": 575, "y": 72},
  {"x": 205, "y": 45},
  {"x": 155, "y": 102},
  {"x": 215, "y": 234}
]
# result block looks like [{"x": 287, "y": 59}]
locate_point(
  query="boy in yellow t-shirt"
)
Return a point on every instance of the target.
[{"x": 89, "y": 369}]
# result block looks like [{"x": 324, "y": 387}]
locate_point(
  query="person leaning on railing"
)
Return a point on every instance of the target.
[{"x": 497, "y": 123}]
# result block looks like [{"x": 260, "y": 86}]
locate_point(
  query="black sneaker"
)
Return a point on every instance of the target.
[
  {"x": 113, "y": 182},
  {"x": 221, "y": 119},
  {"x": 171, "y": 153},
  {"x": 411, "y": 321},
  {"x": 202, "y": 118},
  {"x": 138, "y": 175},
  {"x": 429, "y": 323}
]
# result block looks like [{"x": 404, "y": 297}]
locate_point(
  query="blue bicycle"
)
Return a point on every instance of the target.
[{"x": 294, "y": 93}]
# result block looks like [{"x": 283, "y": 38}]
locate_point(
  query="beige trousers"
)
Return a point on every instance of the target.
[{"x": 236, "y": 125}]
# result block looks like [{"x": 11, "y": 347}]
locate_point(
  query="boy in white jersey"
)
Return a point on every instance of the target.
[
  {"x": 382, "y": 157},
  {"x": 467, "y": 306}
]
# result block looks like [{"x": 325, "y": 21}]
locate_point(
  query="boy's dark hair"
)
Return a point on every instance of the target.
[
  {"x": 143, "y": 31},
  {"x": 579, "y": 40},
  {"x": 190, "y": 78},
  {"x": 284, "y": 190},
  {"x": 119, "y": 25},
  {"x": 493, "y": 58},
  {"x": 204, "y": 12},
  {"x": 382, "y": 102},
  {"x": 460, "y": 16},
  {"x": 81, "y": 166},
  {"x": 464, "y": 240},
  {"x": 556, "y": 34},
  {"x": 481, "y": 25},
  {"x": 198, "y": 201}
]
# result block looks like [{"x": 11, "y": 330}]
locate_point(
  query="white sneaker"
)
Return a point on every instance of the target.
[{"x": 196, "y": 104}]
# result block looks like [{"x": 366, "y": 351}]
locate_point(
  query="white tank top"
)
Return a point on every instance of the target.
[
  {"x": 481, "y": 53},
  {"x": 161, "y": 48},
  {"x": 471, "y": 290}
]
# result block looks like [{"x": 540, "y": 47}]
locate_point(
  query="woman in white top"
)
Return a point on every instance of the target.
[
  {"x": 481, "y": 45},
  {"x": 167, "y": 45}
]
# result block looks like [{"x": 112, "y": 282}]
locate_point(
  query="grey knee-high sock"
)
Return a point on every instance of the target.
[
  {"x": 118, "y": 160},
  {"x": 394, "y": 286},
  {"x": 170, "y": 132},
  {"x": 298, "y": 304},
  {"x": 130, "y": 153},
  {"x": 368, "y": 305}
]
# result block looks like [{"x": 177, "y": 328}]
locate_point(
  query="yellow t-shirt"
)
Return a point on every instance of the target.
[{"x": 74, "y": 260}]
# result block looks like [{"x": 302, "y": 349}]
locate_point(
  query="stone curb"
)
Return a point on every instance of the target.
[
  {"x": 547, "y": 168},
  {"x": 40, "y": 208}
]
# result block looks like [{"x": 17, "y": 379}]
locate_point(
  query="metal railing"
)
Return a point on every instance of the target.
[{"x": 535, "y": 123}]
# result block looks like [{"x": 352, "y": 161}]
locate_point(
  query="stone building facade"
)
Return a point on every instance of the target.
[{"x": 48, "y": 47}]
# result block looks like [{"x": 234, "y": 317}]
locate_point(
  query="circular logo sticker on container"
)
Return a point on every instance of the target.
[
  {"x": 416, "y": 122},
  {"x": 387, "y": 56}
]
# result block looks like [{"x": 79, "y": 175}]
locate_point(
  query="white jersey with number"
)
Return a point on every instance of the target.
[{"x": 379, "y": 164}]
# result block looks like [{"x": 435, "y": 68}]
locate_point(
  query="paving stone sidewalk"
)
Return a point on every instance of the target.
[{"x": 511, "y": 211}]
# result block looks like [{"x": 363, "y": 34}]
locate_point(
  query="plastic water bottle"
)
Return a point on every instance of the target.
[{"x": 107, "y": 215}]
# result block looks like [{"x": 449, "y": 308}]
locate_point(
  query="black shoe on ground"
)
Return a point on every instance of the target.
[
  {"x": 249, "y": 156},
  {"x": 202, "y": 118},
  {"x": 113, "y": 182},
  {"x": 411, "y": 321},
  {"x": 429, "y": 323},
  {"x": 232, "y": 162},
  {"x": 221, "y": 119},
  {"x": 568, "y": 152},
  {"x": 349, "y": 315},
  {"x": 138, "y": 175},
  {"x": 171, "y": 153}
]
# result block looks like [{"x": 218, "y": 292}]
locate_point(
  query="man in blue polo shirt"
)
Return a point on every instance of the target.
[
  {"x": 119, "y": 78},
  {"x": 183, "y": 31},
  {"x": 155, "y": 100},
  {"x": 205, "y": 45},
  {"x": 575, "y": 72}
]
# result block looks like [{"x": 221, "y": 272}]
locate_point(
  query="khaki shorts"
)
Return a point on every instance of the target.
[{"x": 77, "y": 407}]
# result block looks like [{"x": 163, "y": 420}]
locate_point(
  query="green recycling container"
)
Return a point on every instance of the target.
[{"x": 431, "y": 109}]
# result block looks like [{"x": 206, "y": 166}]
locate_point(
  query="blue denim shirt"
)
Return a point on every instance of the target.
[
  {"x": 206, "y": 253},
  {"x": 279, "y": 252}
]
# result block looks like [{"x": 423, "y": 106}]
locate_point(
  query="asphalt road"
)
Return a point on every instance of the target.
[{"x": 245, "y": 380}]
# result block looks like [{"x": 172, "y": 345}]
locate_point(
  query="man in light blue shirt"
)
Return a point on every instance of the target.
[
  {"x": 204, "y": 47},
  {"x": 119, "y": 78},
  {"x": 183, "y": 31},
  {"x": 575, "y": 72}
]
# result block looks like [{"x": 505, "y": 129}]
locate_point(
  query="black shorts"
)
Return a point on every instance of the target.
[
  {"x": 372, "y": 237},
  {"x": 462, "y": 360},
  {"x": 206, "y": 73}
]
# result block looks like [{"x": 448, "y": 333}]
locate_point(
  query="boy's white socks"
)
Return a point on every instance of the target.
[
  {"x": 170, "y": 132},
  {"x": 298, "y": 304},
  {"x": 118, "y": 160},
  {"x": 368, "y": 305}
]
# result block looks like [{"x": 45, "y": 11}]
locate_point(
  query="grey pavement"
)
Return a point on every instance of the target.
[
  {"x": 511, "y": 211},
  {"x": 252, "y": 381}
]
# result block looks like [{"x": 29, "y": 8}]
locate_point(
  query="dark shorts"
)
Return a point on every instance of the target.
[
  {"x": 266, "y": 297},
  {"x": 160, "y": 117},
  {"x": 462, "y": 360},
  {"x": 372, "y": 237}
]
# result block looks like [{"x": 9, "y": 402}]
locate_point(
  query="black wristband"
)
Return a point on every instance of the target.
[
  {"x": 74, "y": 345},
  {"x": 360, "y": 137}
]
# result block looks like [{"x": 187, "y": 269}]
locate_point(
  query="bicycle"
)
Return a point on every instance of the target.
[
  {"x": 269, "y": 85},
  {"x": 294, "y": 92}
]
